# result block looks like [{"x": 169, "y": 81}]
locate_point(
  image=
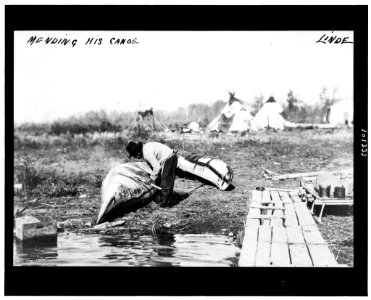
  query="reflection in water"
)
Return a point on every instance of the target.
[
  {"x": 98, "y": 250},
  {"x": 31, "y": 251}
]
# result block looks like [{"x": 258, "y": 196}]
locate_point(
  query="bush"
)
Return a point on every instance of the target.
[
  {"x": 67, "y": 127},
  {"x": 26, "y": 175},
  {"x": 140, "y": 135}
]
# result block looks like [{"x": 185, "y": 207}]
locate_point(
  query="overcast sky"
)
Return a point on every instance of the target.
[{"x": 165, "y": 70}]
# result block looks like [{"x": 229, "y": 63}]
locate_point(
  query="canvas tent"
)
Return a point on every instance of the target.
[
  {"x": 147, "y": 121},
  {"x": 340, "y": 113},
  {"x": 270, "y": 116},
  {"x": 194, "y": 126},
  {"x": 234, "y": 117},
  {"x": 243, "y": 121}
]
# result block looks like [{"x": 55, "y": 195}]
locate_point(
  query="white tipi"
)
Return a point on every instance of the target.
[
  {"x": 340, "y": 113},
  {"x": 234, "y": 117},
  {"x": 270, "y": 116}
]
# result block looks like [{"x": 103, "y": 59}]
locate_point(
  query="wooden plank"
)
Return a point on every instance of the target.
[
  {"x": 334, "y": 202},
  {"x": 255, "y": 196},
  {"x": 264, "y": 217},
  {"x": 267, "y": 207},
  {"x": 308, "y": 174},
  {"x": 279, "y": 250},
  {"x": 266, "y": 198},
  {"x": 312, "y": 235},
  {"x": 249, "y": 245},
  {"x": 270, "y": 202},
  {"x": 285, "y": 197},
  {"x": 253, "y": 218},
  {"x": 311, "y": 191},
  {"x": 300, "y": 255},
  {"x": 279, "y": 234},
  {"x": 321, "y": 256},
  {"x": 280, "y": 190},
  {"x": 264, "y": 246},
  {"x": 276, "y": 197},
  {"x": 290, "y": 214},
  {"x": 295, "y": 198},
  {"x": 304, "y": 216},
  {"x": 295, "y": 235},
  {"x": 277, "y": 213}
]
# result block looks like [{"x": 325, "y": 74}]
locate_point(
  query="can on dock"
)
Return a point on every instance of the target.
[
  {"x": 339, "y": 192},
  {"x": 321, "y": 191},
  {"x": 328, "y": 191}
]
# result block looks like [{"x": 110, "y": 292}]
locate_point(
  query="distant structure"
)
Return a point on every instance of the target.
[
  {"x": 192, "y": 127},
  {"x": 270, "y": 116},
  {"x": 147, "y": 121},
  {"x": 234, "y": 117},
  {"x": 340, "y": 113}
]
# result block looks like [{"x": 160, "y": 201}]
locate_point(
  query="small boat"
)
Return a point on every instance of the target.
[
  {"x": 128, "y": 186},
  {"x": 125, "y": 188},
  {"x": 213, "y": 170}
]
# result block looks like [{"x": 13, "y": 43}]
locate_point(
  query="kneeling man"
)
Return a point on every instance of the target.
[{"x": 163, "y": 161}]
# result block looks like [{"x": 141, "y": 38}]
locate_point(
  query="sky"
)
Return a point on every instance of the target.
[{"x": 171, "y": 69}]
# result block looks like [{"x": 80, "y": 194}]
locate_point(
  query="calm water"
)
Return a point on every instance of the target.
[{"x": 99, "y": 250}]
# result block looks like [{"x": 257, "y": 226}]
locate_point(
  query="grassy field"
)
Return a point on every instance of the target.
[{"x": 61, "y": 178}]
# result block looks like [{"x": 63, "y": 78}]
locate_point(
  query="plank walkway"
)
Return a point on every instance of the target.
[{"x": 280, "y": 231}]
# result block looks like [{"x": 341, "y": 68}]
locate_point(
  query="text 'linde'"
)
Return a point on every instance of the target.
[{"x": 333, "y": 39}]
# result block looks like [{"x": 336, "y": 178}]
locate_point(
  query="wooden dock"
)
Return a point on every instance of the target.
[{"x": 281, "y": 232}]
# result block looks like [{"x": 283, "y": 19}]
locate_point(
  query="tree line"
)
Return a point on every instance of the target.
[{"x": 295, "y": 110}]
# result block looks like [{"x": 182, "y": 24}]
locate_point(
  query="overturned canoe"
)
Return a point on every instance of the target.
[
  {"x": 128, "y": 187},
  {"x": 211, "y": 169},
  {"x": 125, "y": 188}
]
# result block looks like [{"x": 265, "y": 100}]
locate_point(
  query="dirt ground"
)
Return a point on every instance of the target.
[{"x": 61, "y": 178}]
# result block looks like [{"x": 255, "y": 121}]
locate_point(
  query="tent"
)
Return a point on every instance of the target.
[
  {"x": 340, "y": 113},
  {"x": 270, "y": 116},
  {"x": 194, "y": 126},
  {"x": 147, "y": 121},
  {"x": 243, "y": 121},
  {"x": 234, "y": 117}
]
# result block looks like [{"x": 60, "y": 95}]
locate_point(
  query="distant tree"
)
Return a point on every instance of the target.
[
  {"x": 327, "y": 98},
  {"x": 198, "y": 112},
  {"x": 293, "y": 102}
]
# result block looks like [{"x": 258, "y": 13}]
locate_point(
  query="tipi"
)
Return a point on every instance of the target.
[
  {"x": 270, "y": 115},
  {"x": 340, "y": 113},
  {"x": 233, "y": 118},
  {"x": 147, "y": 121}
]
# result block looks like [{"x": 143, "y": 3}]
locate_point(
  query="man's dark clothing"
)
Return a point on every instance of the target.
[{"x": 167, "y": 180}]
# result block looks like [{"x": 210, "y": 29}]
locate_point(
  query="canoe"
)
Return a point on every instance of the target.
[
  {"x": 213, "y": 170},
  {"x": 125, "y": 188}
]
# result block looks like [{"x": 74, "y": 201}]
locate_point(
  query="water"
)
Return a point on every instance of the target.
[{"x": 103, "y": 250}]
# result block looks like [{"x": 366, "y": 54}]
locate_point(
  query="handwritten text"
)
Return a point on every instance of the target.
[{"x": 333, "y": 39}]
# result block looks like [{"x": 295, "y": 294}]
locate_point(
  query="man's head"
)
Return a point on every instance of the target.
[{"x": 135, "y": 149}]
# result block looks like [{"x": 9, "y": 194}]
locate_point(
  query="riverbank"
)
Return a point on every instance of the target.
[{"x": 61, "y": 178}]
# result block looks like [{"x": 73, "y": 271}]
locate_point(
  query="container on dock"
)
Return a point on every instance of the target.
[
  {"x": 339, "y": 192},
  {"x": 27, "y": 228}
]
